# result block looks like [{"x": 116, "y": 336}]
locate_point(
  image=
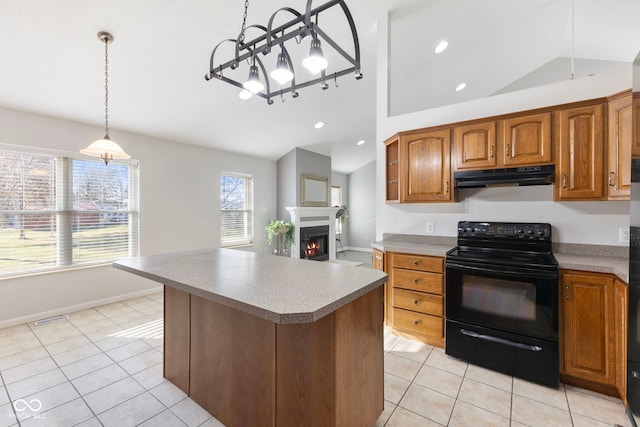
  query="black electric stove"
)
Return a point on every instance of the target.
[{"x": 502, "y": 299}]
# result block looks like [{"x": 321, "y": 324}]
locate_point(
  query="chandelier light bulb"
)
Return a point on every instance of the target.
[
  {"x": 282, "y": 74},
  {"x": 315, "y": 62},
  {"x": 253, "y": 84},
  {"x": 441, "y": 46},
  {"x": 245, "y": 94}
]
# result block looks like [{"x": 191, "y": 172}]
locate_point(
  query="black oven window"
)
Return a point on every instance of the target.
[{"x": 504, "y": 298}]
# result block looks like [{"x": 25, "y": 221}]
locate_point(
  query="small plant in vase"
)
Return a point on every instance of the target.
[
  {"x": 282, "y": 235},
  {"x": 342, "y": 214}
]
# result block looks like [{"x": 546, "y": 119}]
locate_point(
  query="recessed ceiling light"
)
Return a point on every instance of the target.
[
  {"x": 441, "y": 46},
  {"x": 460, "y": 87},
  {"x": 362, "y": 141},
  {"x": 318, "y": 125}
]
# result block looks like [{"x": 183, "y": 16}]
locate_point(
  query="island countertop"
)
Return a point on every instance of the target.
[{"x": 278, "y": 289}]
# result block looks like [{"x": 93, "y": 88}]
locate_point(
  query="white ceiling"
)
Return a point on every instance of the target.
[{"x": 52, "y": 64}]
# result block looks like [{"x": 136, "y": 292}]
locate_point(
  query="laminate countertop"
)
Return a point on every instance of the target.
[
  {"x": 278, "y": 289},
  {"x": 593, "y": 258}
]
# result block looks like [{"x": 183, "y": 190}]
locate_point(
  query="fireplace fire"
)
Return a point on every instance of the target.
[{"x": 314, "y": 243}]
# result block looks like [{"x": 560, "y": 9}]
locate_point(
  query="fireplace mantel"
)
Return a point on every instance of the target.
[{"x": 311, "y": 217}]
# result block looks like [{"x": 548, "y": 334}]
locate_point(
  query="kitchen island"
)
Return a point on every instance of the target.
[{"x": 262, "y": 340}]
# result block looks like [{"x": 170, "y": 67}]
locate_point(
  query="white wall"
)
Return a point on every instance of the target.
[
  {"x": 574, "y": 222},
  {"x": 362, "y": 207},
  {"x": 179, "y": 210}
]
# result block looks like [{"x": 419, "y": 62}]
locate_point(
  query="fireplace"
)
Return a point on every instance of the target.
[
  {"x": 314, "y": 243},
  {"x": 308, "y": 218}
]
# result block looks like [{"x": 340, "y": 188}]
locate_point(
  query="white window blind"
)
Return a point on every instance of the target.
[
  {"x": 57, "y": 212},
  {"x": 236, "y": 209}
]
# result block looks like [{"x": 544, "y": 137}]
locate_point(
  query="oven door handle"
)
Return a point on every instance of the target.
[
  {"x": 516, "y": 272},
  {"x": 498, "y": 340}
]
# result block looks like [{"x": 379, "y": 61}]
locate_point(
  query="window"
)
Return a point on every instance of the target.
[
  {"x": 336, "y": 196},
  {"x": 58, "y": 211},
  {"x": 236, "y": 209}
]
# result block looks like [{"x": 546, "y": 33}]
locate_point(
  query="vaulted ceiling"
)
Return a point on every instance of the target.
[{"x": 52, "y": 64}]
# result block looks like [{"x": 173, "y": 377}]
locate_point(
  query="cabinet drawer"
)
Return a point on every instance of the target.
[
  {"x": 418, "y": 281},
  {"x": 417, "y": 262},
  {"x": 419, "y": 323},
  {"x": 418, "y": 301}
]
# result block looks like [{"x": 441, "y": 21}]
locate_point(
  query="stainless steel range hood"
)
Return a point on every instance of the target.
[{"x": 527, "y": 175}]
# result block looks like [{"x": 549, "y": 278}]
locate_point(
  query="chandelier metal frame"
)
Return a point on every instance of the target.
[{"x": 301, "y": 26}]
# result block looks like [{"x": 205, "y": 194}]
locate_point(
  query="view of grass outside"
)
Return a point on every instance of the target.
[{"x": 38, "y": 248}]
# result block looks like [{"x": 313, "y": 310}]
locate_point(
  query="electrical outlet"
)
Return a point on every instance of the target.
[
  {"x": 624, "y": 235},
  {"x": 431, "y": 228}
]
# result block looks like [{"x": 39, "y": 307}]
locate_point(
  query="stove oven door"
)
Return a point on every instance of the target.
[
  {"x": 522, "y": 301},
  {"x": 504, "y": 320}
]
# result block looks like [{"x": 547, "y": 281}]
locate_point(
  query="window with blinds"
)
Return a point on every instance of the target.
[
  {"x": 236, "y": 209},
  {"x": 59, "y": 211}
]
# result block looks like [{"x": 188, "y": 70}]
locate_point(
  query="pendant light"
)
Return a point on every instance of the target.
[
  {"x": 105, "y": 148},
  {"x": 282, "y": 74},
  {"x": 315, "y": 62},
  {"x": 253, "y": 84}
]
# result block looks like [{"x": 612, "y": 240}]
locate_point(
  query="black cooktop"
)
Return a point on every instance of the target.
[{"x": 504, "y": 244}]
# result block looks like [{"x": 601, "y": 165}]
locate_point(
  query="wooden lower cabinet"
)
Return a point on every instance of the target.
[
  {"x": 592, "y": 331},
  {"x": 621, "y": 318},
  {"x": 416, "y": 297}
]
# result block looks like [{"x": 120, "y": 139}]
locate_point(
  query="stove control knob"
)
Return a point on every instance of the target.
[
  {"x": 530, "y": 232},
  {"x": 521, "y": 231},
  {"x": 541, "y": 233},
  {"x": 473, "y": 230},
  {"x": 466, "y": 230}
]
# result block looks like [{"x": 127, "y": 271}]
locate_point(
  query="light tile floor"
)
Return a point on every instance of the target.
[{"x": 103, "y": 367}]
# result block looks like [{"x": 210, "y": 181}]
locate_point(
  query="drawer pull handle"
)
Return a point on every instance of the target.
[
  {"x": 612, "y": 177},
  {"x": 564, "y": 181},
  {"x": 415, "y": 281},
  {"x": 507, "y": 151},
  {"x": 415, "y": 322},
  {"x": 416, "y": 302},
  {"x": 415, "y": 263}
]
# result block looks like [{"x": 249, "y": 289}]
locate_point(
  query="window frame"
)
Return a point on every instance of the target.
[
  {"x": 248, "y": 201},
  {"x": 62, "y": 186}
]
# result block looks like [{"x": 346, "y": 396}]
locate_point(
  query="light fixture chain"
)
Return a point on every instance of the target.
[
  {"x": 244, "y": 20},
  {"x": 106, "y": 87}
]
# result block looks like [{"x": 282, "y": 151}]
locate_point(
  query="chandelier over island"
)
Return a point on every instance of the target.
[{"x": 283, "y": 77}]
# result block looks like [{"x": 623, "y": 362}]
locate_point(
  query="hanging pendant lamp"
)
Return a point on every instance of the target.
[{"x": 105, "y": 148}]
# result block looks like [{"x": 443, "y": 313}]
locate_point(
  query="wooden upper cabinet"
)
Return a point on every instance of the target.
[
  {"x": 635, "y": 136},
  {"x": 392, "y": 169},
  {"x": 527, "y": 140},
  {"x": 579, "y": 141},
  {"x": 475, "y": 146},
  {"x": 619, "y": 149},
  {"x": 425, "y": 166}
]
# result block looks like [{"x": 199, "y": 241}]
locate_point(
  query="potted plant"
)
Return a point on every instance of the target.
[
  {"x": 282, "y": 235},
  {"x": 342, "y": 214}
]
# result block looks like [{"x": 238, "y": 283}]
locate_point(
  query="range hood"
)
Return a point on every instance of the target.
[{"x": 526, "y": 175}]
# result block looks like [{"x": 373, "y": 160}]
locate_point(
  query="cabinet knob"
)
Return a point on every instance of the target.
[
  {"x": 415, "y": 322},
  {"x": 612, "y": 178},
  {"x": 415, "y": 263},
  {"x": 564, "y": 181},
  {"x": 415, "y": 301},
  {"x": 415, "y": 281},
  {"x": 507, "y": 151}
]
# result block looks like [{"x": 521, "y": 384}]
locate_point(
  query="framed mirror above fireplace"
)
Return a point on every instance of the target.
[{"x": 314, "y": 191}]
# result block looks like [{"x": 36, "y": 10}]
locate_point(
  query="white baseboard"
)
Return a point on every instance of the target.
[
  {"x": 77, "y": 307},
  {"x": 351, "y": 248}
]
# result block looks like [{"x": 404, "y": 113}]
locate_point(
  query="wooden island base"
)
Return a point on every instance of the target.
[{"x": 248, "y": 371}]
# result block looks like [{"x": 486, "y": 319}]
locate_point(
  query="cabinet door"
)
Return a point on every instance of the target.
[
  {"x": 527, "y": 140},
  {"x": 392, "y": 170},
  {"x": 425, "y": 162},
  {"x": 635, "y": 143},
  {"x": 475, "y": 146},
  {"x": 621, "y": 296},
  {"x": 619, "y": 145},
  {"x": 580, "y": 153},
  {"x": 588, "y": 327}
]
